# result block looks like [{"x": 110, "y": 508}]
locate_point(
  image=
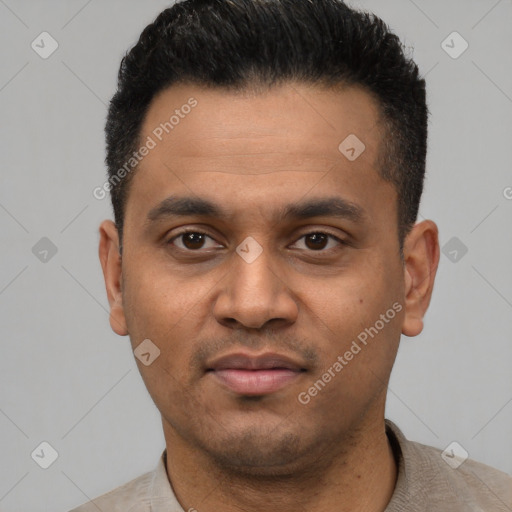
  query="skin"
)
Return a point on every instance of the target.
[{"x": 252, "y": 153}]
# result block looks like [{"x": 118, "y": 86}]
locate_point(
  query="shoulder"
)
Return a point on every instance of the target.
[
  {"x": 122, "y": 498},
  {"x": 441, "y": 480},
  {"x": 471, "y": 481}
]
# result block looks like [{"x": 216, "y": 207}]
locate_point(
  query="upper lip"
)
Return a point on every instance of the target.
[{"x": 266, "y": 361}]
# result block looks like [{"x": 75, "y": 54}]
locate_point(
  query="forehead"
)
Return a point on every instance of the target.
[
  {"x": 302, "y": 118},
  {"x": 291, "y": 138}
]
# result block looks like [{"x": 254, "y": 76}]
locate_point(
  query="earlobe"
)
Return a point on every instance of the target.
[
  {"x": 421, "y": 257},
  {"x": 110, "y": 260}
]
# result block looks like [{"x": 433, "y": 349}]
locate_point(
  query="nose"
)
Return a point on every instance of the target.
[{"x": 254, "y": 296}]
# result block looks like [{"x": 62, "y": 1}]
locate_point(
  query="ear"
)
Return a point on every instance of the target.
[
  {"x": 421, "y": 258},
  {"x": 110, "y": 259}
]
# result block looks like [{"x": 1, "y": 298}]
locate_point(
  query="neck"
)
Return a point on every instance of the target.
[{"x": 360, "y": 476}]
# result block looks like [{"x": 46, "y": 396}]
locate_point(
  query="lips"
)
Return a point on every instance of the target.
[
  {"x": 255, "y": 375},
  {"x": 241, "y": 361}
]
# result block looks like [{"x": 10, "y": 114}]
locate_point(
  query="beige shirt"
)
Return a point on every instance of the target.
[{"x": 426, "y": 483}]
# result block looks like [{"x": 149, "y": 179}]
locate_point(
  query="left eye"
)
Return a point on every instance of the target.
[
  {"x": 319, "y": 241},
  {"x": 193, "y": 240}
]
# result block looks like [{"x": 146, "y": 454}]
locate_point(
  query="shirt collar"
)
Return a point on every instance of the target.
[{"x": 162, "y": 498}]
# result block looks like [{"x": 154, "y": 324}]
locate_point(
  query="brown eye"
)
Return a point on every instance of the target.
[
  {"x": 193, "y": 241},
  {"x": 316, "y": 241},
  {"x": 319, "y": 241}
]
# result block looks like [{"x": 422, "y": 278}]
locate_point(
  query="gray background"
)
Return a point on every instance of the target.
[{"x": 66, "y": 379}]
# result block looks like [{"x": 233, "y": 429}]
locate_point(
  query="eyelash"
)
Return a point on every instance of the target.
[{"x": 196, "y": 232}]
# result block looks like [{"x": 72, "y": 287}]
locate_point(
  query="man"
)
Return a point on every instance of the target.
[{"x": 266, "y": 163}]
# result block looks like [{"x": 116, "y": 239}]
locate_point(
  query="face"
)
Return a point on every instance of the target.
[{"x": 262, "y": 262}]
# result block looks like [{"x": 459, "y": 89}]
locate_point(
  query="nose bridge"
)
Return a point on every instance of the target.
[
  {"x": 252, "y": 271},
  {"x": 253, "y": 293}
]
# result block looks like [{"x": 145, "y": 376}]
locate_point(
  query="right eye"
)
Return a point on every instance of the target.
[{"x": 191, "y": 241}]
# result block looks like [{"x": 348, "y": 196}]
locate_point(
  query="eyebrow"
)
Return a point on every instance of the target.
[{"x": 175, "y": 206}]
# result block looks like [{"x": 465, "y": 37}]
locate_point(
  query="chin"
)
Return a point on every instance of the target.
[
  {"x": 249, "y": 457},
  {"x": 260, "y": 452}
]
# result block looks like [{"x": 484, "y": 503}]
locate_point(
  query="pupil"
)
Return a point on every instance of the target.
[
  {"x": 193, "y": 240},
  {"x": 318, "y": 241}
]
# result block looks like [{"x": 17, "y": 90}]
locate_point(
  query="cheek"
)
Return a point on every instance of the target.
[
  {"x": 369, "y": 355},
  {"x": 159, "y": 299},
  {"x": 357, "y": 318},
  {"x": 340, "y": 306},
  {"x": 156, "y": 310}
]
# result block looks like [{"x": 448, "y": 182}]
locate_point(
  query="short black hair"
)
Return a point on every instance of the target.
[{"x": 238, "y": 44}]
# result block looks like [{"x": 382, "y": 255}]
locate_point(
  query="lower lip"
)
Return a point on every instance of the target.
[{"x": 255, "y": 382}]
